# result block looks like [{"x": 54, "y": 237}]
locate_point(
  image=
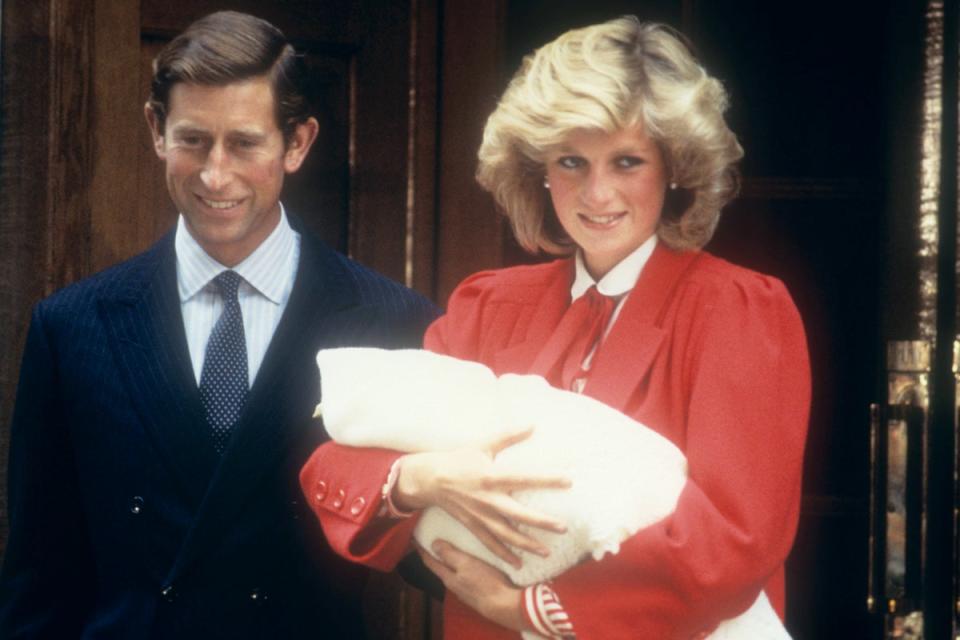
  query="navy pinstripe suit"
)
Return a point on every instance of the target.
[{"x": 124, "y": 522}]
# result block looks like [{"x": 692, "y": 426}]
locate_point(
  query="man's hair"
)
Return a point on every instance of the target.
[
  {"x": 227, "y": 47},
  {"x": 609, "y": 77}
]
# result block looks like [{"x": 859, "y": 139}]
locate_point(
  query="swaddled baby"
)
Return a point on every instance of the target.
[{"x": 414, "y": 401}]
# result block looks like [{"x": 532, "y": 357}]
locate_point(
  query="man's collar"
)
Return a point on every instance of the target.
[
  {"x": 618, "y": 280},
  {"x": 263, "y": 269}
]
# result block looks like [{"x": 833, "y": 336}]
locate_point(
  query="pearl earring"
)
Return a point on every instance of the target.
[{"x": 673, "y": 185}]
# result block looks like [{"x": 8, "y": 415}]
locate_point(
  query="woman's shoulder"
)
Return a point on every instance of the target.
[
  {"x": 719, "y": 279},
  {"x": 715, "y": 291},
  {"x": 485, "y": 309},
  {"x": 511, "y": 284}
]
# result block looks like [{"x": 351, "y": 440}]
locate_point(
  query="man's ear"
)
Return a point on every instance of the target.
[
  {"x": 154, "y": 123},
  {"x": 299, "y": 144}
]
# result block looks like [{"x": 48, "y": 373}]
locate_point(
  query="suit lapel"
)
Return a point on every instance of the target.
[
  {"x": 532, "y": 354},
  {"x": 627, "y": 353},
  {"x": 145, "y": 330}
]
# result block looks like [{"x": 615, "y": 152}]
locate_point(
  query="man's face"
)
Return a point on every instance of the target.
[{"x": 225, "y": 162}]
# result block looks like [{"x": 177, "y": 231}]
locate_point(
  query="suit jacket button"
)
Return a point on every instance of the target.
[
  {"x": 136, "y": 505},
  {"x": 357, "y": 506},
  {"x": 339, "y": 500},
  {"x": 169, "y": 594},
  {"x": 320, "y": 491}
]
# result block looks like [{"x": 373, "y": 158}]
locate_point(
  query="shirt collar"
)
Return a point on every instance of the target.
[
  {"x": 618, "y": 280},
  {"x": 265, "y": 269}
]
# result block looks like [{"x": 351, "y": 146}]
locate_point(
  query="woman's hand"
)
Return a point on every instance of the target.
[
  {"x": 465, "y": 484},
  {"x": 478, "y": 585}
]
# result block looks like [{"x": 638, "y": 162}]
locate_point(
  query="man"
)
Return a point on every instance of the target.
[{"x": 164, "y": 405}]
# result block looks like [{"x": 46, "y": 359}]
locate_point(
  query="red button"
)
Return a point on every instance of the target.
[
  {"x": 357, "y": 507},
  {"x": 320, "y": 491},
  {"x": 339, "y": 500}
]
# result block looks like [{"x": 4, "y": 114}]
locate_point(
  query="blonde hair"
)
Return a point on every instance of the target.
[{"x": 612, "y": 76}]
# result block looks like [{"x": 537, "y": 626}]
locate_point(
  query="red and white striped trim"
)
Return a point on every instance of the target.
[{"x": 545, "y": 612}]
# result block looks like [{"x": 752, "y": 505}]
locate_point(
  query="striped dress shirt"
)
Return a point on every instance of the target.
[{"x": 268, "y": 274}]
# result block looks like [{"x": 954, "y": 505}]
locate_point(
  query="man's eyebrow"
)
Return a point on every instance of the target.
[
  {"x": 192, "y": 129},
  {"x": 188, "y": 129},
  {"x": 254, "y": 134}
]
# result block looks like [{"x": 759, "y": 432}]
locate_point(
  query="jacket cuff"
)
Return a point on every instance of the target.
[
  {"x": 343, "y": 486},
  {"x": 545, "y": 613}
]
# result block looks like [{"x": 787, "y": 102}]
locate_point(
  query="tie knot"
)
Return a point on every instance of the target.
[
  {"x": 228, "y": 282},
  {"x": 597, "y": 299}
]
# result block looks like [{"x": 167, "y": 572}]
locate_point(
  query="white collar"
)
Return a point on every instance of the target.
[
  {"x": 261, "y": 269},
  {"x": 618, "y": 280}
]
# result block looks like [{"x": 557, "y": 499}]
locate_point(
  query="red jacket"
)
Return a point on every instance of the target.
[{"x": 711, "y": 355}]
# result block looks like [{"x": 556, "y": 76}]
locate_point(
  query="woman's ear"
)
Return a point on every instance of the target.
[{"x": 676, "y": 201}]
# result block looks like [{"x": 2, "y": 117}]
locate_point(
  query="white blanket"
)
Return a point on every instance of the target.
[{"x": 625, "y": 476}]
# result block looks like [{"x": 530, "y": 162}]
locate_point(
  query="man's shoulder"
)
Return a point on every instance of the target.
[
  {"x": 369, "y": 287},
  {"x": 372, "y": 286},
  {"x": 124, "y": 280},
  {"x": 372, "y": 309}
]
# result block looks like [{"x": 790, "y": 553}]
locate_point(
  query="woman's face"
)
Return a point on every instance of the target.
[{"x": 607, "y": 190}]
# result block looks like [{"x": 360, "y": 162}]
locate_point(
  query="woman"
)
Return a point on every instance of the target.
[{"x": 609, "y": 146}]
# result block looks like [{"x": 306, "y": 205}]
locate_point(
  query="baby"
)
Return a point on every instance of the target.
[{"x": 413, "y": 400}]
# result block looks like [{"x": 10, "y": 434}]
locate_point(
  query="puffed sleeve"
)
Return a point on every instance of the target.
[
  {"x": 739, "y": 356},
  {"x": 459, "y": 332}
]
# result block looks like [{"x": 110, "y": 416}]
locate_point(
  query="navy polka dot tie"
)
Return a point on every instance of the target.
[{"x": 224, "y": 381}]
